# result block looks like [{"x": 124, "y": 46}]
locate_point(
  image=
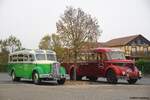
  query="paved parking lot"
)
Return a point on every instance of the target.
[{"x": 78, "y": 90}]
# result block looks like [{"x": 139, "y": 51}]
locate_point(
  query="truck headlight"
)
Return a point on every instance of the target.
[
  {"x": 140, "y": 73},
  {"x": 123, "y": 72}
]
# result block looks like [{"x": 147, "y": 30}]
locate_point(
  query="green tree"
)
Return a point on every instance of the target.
[
  {"x": 8, "y": 45},
  {"x": 45, "y": 42},
  {"x": 53, "y": 42},
  {"x": 77, "y": 28},
  {"x": 12, "y": 44}
]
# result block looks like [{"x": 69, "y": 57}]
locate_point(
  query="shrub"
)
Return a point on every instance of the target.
[
  {"x": 3, "y": 67},
  {"x": 144, "y": 66}
]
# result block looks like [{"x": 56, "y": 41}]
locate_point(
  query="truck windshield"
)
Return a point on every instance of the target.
[
  {"x": 40, "y": 57},
  {"x": 116, "y": 55},
  {"x": 51, "y": 57}
]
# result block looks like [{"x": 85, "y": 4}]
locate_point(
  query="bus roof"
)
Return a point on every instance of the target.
[{"x": 32, "y": 51}]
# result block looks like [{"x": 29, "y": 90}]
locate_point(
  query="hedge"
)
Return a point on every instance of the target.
[
  {"x": 3, "y": 67},
  {"x": 144, "y": 66}
]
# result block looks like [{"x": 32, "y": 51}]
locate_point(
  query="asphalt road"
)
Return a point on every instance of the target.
[{"x": 73, "y": 90}]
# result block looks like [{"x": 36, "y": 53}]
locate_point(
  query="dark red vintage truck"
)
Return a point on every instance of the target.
[{"x": 109, "y": 63}]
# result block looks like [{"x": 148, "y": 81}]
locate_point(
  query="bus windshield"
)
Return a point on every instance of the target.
[
  {"x": 51, "y": 57},
  {"x": 116, "y": 55},
  {"x": 40, "y": 57}
]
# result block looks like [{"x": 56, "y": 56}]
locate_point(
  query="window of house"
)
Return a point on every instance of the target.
[{"x": 145, "y": 49}]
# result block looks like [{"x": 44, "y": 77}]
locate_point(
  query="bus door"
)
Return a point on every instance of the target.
[{"x": 29, "y": 65}]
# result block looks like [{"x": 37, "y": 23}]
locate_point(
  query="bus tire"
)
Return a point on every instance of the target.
[
  {"x": 13, "y": 76},
  {"x": 61, "y": 81},
  {"x": 36, "y": 79}
]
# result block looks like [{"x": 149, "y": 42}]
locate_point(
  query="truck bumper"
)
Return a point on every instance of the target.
[{"x": 129, "y": 77}]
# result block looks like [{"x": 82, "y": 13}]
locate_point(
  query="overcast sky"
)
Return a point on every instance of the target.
[{"x": 30, "y": 20}]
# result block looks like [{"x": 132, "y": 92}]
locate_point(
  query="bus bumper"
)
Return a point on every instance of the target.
[{"x": 53, "y": 77}]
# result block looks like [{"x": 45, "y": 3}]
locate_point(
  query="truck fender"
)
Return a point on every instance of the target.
[{"x": 110, "y": 68}]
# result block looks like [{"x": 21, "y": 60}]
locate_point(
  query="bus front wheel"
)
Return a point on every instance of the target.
[
  {"x": 61, "y": 81},
  {"x": 36, "y": 79}
]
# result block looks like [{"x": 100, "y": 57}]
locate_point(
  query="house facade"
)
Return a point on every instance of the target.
[{"x": 136, "y": 46}]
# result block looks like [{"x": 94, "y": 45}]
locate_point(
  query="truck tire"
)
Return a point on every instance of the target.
[
  {"x": 132, "y": 81},
  {"x": 35, "y": 78},
  {"x": 13, "y": 76},
  {"x": 61, "y": 81},
  {"x": 111, "y": 77}
]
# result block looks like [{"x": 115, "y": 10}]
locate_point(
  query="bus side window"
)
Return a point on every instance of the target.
[
  {"x": 10, "y": 58},
  {"x": 25, "y": 57},
  {"x": 31, "y": 57},
  {"x": 14, "y": 58},
  {"x": 20, "y": 57}
]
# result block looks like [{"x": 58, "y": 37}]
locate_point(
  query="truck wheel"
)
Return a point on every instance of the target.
[
  {"x": 132, "y": 81},
  {"x": 61, "y": 81},
  {"x": 93, "y": 78},
  {"x": 35, "y": 78},
  {"x": 14, "y": 78},
  {"x": 111, "y": 77}
]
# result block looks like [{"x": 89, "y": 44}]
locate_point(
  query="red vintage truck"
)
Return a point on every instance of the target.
[{"x": 109, "y": 63}]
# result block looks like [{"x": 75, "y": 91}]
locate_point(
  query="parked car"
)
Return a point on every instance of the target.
[
  {"x": 109, "y": 63},
  {"x": 37, "y": 65}
]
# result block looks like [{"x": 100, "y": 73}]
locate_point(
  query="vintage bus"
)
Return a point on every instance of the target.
[
  {"x": 109, "y": 63},
  {"x": 37, "y": 65}
]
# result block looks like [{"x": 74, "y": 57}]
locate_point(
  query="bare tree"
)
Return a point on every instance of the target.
[
  {"x": 76, "y": 28},
  {"x": 11, "y": 44}
]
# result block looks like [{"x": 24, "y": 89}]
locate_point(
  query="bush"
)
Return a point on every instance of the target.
[
  {"x": 3, "y": 67},
  {"x": 144, "y": 66}
]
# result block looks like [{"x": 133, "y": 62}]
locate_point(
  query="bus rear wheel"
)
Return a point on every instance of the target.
[
  {"x": 14, "y": 78},
  {"x": 35, "y": 78}
]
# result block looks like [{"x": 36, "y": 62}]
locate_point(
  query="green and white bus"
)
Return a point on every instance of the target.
[{"x": 37, "y": 65}]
